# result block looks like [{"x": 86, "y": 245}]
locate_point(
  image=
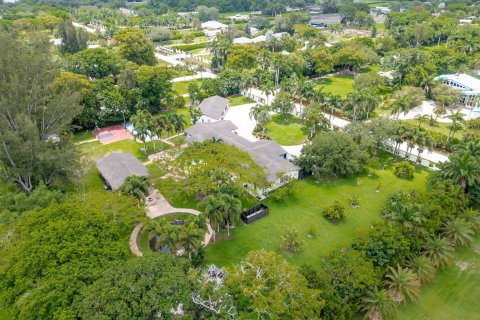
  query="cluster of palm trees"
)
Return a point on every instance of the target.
[
  {"x": 463, "y": 167},
  {"x": 414, "y": 137},
  {"x": 189, "y": 235},
  {"x": 148, "y": 126},
  {"x": 137, "y": 187},
  {"x": 403, "y": 283},
  {"x": 222, "y": 211}
]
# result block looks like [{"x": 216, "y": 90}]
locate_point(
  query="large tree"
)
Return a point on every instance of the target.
[
  {"x": 136, "y": 46},
  {"x": 265, "y": 285},
  {"x": 57, "y": 251},
  {"x": 332, "y": 153},
  {"x": 35, "y": 111},
  {"x": 141, "y": 288}
]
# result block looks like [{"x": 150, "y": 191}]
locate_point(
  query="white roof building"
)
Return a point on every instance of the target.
[
  {"x": 469, "y": 85},
  {"x": 214, "y": 25},
  {"x": 242, "y": 40}
]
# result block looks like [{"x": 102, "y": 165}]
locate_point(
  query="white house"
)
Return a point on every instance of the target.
[
  {"x": 213, "y": 109},
  {"x": 214, "y": 25},
  {"x": 469, "y": 85}
]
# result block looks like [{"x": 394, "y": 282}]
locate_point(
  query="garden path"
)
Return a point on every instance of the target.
[
  {"x": 199, "y": 75},
  {"x": 133, "y": 240}
]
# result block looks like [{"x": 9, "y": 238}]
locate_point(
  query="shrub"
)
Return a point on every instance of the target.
[
  {"x": 404, "y": 170},
  {"x": 290, "y": 241},
  {"x": 354, "y": 201},
  {"x": 335, "y": 212}
]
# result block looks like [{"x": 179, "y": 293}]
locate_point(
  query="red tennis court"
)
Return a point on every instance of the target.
[{"x": 112, "y": 134}]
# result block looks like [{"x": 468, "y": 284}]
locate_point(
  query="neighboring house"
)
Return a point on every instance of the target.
[
  {"x": 262, "y": 38},
  {"x": 266, "y": 154},
  {"x": 469, "y": 85},
  {"x": 116, "y": 167},
  {"x": 213, "y": 109},
  {"x": 211, "y": 28}
]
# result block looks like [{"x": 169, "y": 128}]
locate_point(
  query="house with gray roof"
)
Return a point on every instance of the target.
[
  {"x": 266, "y": 154},
  {"x": 213, "y": 109},
  {"x": 116, "y": 167}
]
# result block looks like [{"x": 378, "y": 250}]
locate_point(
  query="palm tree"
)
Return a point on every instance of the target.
[
  {"x": 472, "y": 148},
  {"x": 232, "y": 207},
  {"x": 421, "y": 119},
  {"x": 378, "y": 305},
  {"x": 463, "y": 169},
  {"x": 439, "y": 251},
  {"x": 423, "y": 268},
  {"x": 400, "y": 105},
  {"x": 156, "y": 228},
  {"x": 178, "y": 123},
  {"x": 158, "y": 126},
  {"x": 403, "y": 284},
  {"x": 402, "y": 133},
  {"x": 142, "y": 123},
  {"x": 458, "y": 231},
  {"x": 213, "y": 212},
  {"x": 191, "y": 238},
  {"x": 334, "y": 101},
  {"x": 261, "y": 115},
  {"x": 313, "y": 117},
  {"x": 136, "y": 186},
  {"x": 171, "y": 237},
  {"x": 268, "y": 88},
  {"x": 424, "y": 141},
  {"x": 457, "y": 118}
]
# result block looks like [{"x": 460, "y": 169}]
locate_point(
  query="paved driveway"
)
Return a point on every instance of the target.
[{"x": 239, "y": 116}]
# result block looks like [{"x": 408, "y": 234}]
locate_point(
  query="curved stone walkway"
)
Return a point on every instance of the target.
[
  {"x": 133, "y": 240},
  {"x": 158, "y": 206}
]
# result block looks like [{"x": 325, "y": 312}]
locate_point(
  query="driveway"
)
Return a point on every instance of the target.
[{"x": 239, "y": 115}]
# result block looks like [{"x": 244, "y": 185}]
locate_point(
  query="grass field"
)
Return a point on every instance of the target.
[
  {"x": 304, "y": 209},
  {"x": 340, "y": 84},
  {"x": 288, "y": 132},
  {"x": 455, "y": 293},
  {"x": 182, "y": 87},
  {"x": 439, "y": 127},
  {"x": 239, "y": 100}
]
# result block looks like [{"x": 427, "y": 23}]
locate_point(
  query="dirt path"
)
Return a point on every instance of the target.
[{"x": 133, "y": 240}]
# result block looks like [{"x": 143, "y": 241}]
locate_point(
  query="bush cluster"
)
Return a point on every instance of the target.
[
  {"x": 404, "y": 170},
  {"x": 335, "y": 212}
]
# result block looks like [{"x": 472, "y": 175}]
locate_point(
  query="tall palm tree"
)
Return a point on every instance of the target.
[
  {"x": 400, "y": 105},
  {"x": 463, "y": 169},
  {"x": 334, "y": 101},
  {"x": 423, "y": 267},
  {"x": 158, "y": 126},
  {"x": 142, "y": 122},
  {"x": 313, "y": 117},
  {"x": 232, "y": 207},
  {"x": 136, "y": 186},
  {"x": 171, "y": 237},
  {"x": 178, "y": 123},
  {"x": 378, "y": 305},
  {"x": 403, "y": 284},
  {"x": 424, "y": 141},
  {"x": 472, "y": 148},
  {"x": 268, "y": 88},
  {"x": 421, "y": 119},
  {"x": 457, "y": 118},
  {"x": 439, "y": 251},
  {"x": 458, "y": 231},
  {"x": 402, "y": 133},
  {"x": 213, "y": 211},
  {"x": 191, "y": 238},
  {"x": 261, "y": 115}
]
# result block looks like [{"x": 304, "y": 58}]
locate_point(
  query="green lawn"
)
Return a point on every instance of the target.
[
  {"x": 439, "y": 127},
  {"x": 83, "y": 136},
  {"x": 288, "y": 132},
  {"x": 96, "y": 150},
  {"x": 195, "y": 40},
  {"x": 455, "y": 293},
  {"x": 239, "y": 100},
  {"x": 304, "y": 208},
  {"x": 340, "y": 84},
  {"x": 182, "y": 87}
]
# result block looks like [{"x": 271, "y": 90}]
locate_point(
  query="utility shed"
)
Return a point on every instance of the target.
[{"x": 118, "y": 166}]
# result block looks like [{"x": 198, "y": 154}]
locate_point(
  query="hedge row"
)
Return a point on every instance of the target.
[{"x": 188, "y": 47}]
